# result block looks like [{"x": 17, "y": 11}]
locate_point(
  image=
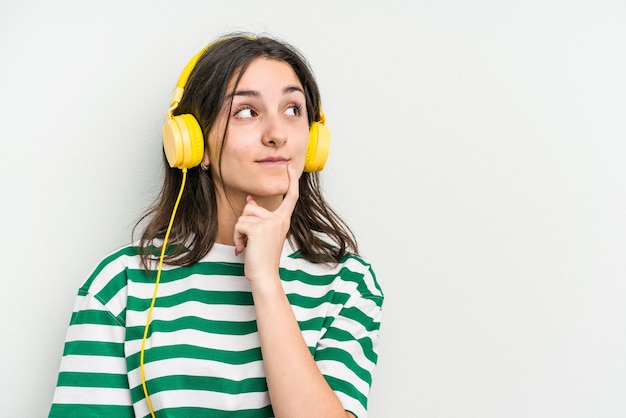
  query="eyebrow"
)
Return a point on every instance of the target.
[{"x": 254, "y": 93}]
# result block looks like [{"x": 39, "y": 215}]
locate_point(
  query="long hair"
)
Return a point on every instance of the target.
[{"x": 320, "y": 234}]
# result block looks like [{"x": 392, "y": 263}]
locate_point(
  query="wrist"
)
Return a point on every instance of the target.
[{"x": 268, "y": 286}]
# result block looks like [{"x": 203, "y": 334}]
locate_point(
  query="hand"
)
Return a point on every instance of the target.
[{"x": 263, "y": 232}]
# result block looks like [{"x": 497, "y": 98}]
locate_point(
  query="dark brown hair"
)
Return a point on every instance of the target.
[{"x": 320, "y": 234}]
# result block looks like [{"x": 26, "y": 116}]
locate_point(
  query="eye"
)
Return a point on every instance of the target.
[
  {"x": 294, "y": 110},
  {"x": 244, "y": 113}
]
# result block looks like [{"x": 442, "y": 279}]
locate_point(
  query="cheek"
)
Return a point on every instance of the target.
[
  {"x": 213, "y": 144},
  {"x": 300, "y": 151},
  {"x": 215, "y": 139},
  {"x": 301, "y": 137}
]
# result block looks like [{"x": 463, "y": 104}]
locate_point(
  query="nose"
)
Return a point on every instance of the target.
[{"x": 275, "y": 134}]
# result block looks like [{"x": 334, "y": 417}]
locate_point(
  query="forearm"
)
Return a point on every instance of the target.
[{"x": 295, "y": 384}]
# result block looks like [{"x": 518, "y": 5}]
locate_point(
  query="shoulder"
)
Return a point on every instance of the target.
[
  {"x": 361, "y": 272},
  {"x": 108, "y": 281},
  {"x": 352, "y": 273}
]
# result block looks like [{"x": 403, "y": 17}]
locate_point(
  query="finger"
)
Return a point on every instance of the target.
[
  {"x": 240, "y": 235},
  {"x": 251, "y": 204},
  {"x": 250, "y": 200},
  {"x": 252, "y": 208},
  {"x": 293, "y": 192},
  {"x": 240, "y": 241}
]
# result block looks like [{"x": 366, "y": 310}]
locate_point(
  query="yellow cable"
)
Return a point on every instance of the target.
[{"x": 154, "y": 295}]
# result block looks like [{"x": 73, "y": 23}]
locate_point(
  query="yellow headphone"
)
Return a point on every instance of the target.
[{"x": 183, "y": 140}]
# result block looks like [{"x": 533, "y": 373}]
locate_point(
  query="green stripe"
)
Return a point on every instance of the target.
[
  {"x": 334, "y": 297},
  {"x": 193, "y": 352},
  {"x": 313, "y": 324},
  {"x": 365, "y": 343},
  {"x": 303, "y": 277},
  {"x": 187, "y": 412},
  {"x": 93, "y": 316},
  {"x": 129, "y": 251},
  {"x": 348, "y": 275},
  {"x": 90, "y": 411},
  {"x": 357, "y": 315},
  {"x": 195, "y": 323},
  {"x": 344, "y": 274},
  {"x": 213, "y": 384},
  {"x": 93, "y": 348},
  {"x": 112, "y": 288},
  {"x": 369, "y": 268},
  {"x": 93, "y": 380},
  {"x": 209, "y": 297},
  {"x": 336, "y": 354},
  {"x": 202, "y": 268},
  {"x": 345, "y": 387}
]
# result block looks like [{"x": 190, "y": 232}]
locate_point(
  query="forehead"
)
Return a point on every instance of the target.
[{"x": 266, "y": 73}]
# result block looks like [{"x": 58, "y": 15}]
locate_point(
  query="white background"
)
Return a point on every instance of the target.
[{"x": 479, "y": 153}]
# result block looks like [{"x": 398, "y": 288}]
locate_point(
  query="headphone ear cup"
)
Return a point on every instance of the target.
[
  {"x": 183, "y": 141},
  {"x": 318, "y": 148}
]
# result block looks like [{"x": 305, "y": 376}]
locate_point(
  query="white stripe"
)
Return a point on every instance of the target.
[
  {"x": 310, "y": 290},
  {"x": 323, "y": 310},
  {"x": 117, "y": 303},
  {"x": 341, "y": 371},
  {"x": 111, "y": 270},
  {"x": 112, "y": 308},
  {"x": 93, "y": 364},
  {"x": 311, "y": 337},
  {"x": 87, "y": 302},
  {"x": 194, "y": 281},
  {"x": 354, "y": 327},
  {"x": 352, "y": 264},
  {"x": 233, "y": 343},
  {"x": 92, "y": 396},
  {"x": 195, "y": 367},
  {"x": 95, "y": 332},
  {"x": 351, "y": 347},
  {"x": 232, "y": 313},
  {"x": 209, "y": 399},
  {"x": 352, "y": 405}
]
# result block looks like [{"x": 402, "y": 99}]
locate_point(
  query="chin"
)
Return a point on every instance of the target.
[
  {"x": 273, "y": 187},
  {"x": 281, "y": 191},
  {"x": 278, "y": 191}
]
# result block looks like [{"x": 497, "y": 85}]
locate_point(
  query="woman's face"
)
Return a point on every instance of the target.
[{"x": 267, "y": 130}]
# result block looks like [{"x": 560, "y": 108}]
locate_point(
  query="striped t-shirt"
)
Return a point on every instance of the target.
[{"x": 203, "y": 355}]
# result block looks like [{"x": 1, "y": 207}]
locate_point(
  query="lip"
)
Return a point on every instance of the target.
[{"x": 273, "y": 160}]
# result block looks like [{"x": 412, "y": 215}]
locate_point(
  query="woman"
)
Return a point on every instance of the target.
[{"x": 262, "y": 307}]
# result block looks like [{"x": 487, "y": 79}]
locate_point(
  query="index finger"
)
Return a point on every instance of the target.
[{"x": 293, "y": 192}]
